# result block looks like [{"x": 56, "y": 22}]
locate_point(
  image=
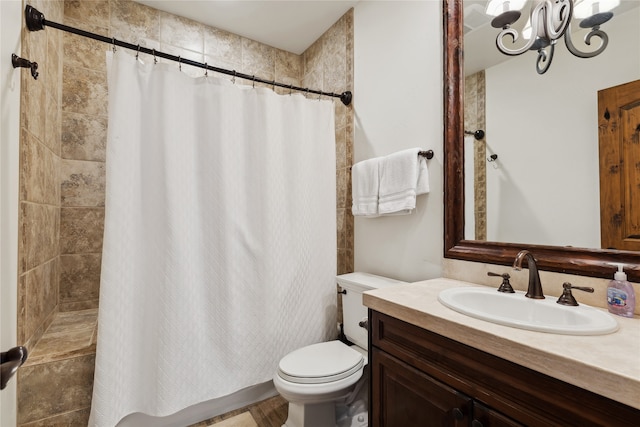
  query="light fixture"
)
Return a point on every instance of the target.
[{"x": 549, "y": 20}]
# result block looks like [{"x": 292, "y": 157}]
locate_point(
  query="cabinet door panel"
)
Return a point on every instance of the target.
[
  {"x": 485, "y": 417},
  {"x": 404, "y": 396}
]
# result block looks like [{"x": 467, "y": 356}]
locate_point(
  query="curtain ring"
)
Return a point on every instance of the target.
[
  {"x": 254, "y": 80},
  {"x": 155, "y": 60},
  {"x": 138, "y": 52},
  {"x": 206, "y": 70},
  {"x": 319, "y": 96},
  {"x": 179, "y": 63},
  {"x": 290, "y": 89},
  {"x": 113, "y": 42},
  {"x": 273, "y": 85},
  {"x": 233, "y": 80}
]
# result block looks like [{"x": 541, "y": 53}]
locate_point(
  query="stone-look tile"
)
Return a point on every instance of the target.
[
  {"x": 38, "y": 172},
  {"x": 345, "y": 261},
  {"x": 341, "y": 148},
  {"x": 39, "y": 230},
  {"x": 83, "y": 137},
  {"x": 288, "y": 65},
  {"x": 53, "y": 66},
  {"x": 79, "y": 277},
  {"x": 38, "y": 300},
  {"x": 84, "y": 52},
  {"x": 69, "y": 335},
  {"x": 81, "y": 230},
  {"x": 78, "y": 305},
  {"x": 343, "y": 189},
  {"x": 84, "y": 91},
  {"x": 189, "y": 70},
  {"x": 33, "y": 108},
  {"x": 95, "y": 12},
  {"x": 312, "y": 57},
  {"x": 222, "y": 46},
  {"x": 258, "y": 59},
  {"x": 82, "y": 183},
  {"x": 342, "y": 114},
  {"x": 74, "y": 418},
  {"x": 181, "y": 32},
  {"x": 54, "y": 388},
  {"x": 52, "y": 124},
  {"x": 134, "y": 22}
]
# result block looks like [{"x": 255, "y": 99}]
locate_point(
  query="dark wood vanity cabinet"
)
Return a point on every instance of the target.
[{"x": 419, "y": 378}]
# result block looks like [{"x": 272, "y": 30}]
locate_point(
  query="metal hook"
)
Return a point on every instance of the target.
[
  {"x": 273, "y": 85},
  {"x": 155, "y": 60},
  {"x": 233, "y": 80},
  {"x": 113, "y": 41},
  {"x": 138, "y": 52},
  {"x": 206, "y": 70},
  {"x": 254, "y": 80},
  {"x": 179, "y": 63},
  {"x": 290, "y": 89}
]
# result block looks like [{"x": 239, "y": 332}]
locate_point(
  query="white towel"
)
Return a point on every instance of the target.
[
  {"x": 403, "y": 176},
  {"x": 364, "y": 187}
]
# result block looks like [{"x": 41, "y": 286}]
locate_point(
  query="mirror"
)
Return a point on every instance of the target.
[
  {"x": 542, "y": 187},
  {"x": 567, "y": 259}
]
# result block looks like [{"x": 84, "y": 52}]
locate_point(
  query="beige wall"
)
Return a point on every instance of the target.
[{"x": 62, "y": 185}]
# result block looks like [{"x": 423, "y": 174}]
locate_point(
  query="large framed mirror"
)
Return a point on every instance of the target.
[{"x": 568, "y": 259}]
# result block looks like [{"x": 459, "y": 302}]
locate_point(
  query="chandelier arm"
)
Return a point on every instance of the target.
[
  {"x": 552, "y": 32},
  {"x": 544, "y": 61},
  {"x": 595, "y": 32},
  {"x": 507, "y": 31}
]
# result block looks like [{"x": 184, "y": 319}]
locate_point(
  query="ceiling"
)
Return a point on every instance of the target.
[{"x": 288, "y": 25}]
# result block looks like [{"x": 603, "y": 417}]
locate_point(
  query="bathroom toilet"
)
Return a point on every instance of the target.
[{"x": 326, "y": 384}]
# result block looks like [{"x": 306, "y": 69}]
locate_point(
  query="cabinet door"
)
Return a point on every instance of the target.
[
  {"x": 403, "y": 396},
  {"x": 485, "y": 417}
]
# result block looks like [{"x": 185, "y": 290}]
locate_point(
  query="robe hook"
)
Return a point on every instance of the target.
[{"x": 478, "y": 135}]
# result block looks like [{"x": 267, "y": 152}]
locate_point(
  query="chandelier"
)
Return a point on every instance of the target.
[{"x": 549, "y": 20}]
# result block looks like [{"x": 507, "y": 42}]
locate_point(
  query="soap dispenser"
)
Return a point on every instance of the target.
[{"x": 621, "y": 299}]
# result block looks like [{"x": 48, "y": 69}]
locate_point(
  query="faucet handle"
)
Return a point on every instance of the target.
[
  {"x": 505, "y": 286},
  {"x": 567, "y": 297}
]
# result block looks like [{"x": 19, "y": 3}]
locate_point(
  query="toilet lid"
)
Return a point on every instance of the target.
[{"x": 320, "y": 363}]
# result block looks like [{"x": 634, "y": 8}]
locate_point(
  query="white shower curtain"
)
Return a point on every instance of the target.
[{"x": 219, "y": 250}]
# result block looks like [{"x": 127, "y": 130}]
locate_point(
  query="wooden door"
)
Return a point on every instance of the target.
[{"x": 619, "y": 141}]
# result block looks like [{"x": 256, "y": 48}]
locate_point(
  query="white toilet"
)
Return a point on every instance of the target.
[{"x": 326, "y": 383}]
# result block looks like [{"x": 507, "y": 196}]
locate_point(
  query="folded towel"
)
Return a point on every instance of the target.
[
  {"x": 364, "y": 187},
  {"x": 403, "y": 176}
]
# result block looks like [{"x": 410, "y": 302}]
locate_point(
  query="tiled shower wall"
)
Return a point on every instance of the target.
[
  {"x": 63, "y": 147},
  {"x": 39, "y": 216},
  {"x": 474, "y": 119},
  {"x": 326, "y": 65}
]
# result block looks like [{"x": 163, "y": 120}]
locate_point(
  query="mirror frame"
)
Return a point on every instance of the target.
[{"x": 564, "y": 259}]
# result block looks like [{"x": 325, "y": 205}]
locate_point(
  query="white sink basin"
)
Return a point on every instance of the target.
[{"x": 515, "y": 310}]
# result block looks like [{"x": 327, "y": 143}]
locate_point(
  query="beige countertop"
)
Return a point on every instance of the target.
[{"x": 608, "y": 365}]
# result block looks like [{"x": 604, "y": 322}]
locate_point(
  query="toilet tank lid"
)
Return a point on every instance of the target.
[{"x": 359, "y": 281}]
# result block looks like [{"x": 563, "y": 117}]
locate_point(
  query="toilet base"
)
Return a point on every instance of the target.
[{"x": 311, "y": 415}]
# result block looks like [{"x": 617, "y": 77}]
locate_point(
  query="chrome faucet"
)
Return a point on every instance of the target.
[{"x": 535, "y": 287}]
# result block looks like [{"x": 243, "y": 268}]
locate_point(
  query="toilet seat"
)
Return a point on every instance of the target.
[{"x": 320, "y": 363}]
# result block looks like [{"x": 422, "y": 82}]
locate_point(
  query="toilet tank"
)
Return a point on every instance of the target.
[{"x": 353, "y": 311}]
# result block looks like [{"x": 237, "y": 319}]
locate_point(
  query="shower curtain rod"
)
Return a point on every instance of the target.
[{"x": 36, "y": 21}]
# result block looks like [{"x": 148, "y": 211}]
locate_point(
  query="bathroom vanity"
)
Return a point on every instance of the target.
[{"x": 433, "y": 366}]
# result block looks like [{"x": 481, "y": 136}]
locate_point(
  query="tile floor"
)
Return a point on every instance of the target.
[{"x": 268, "y": 413}]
